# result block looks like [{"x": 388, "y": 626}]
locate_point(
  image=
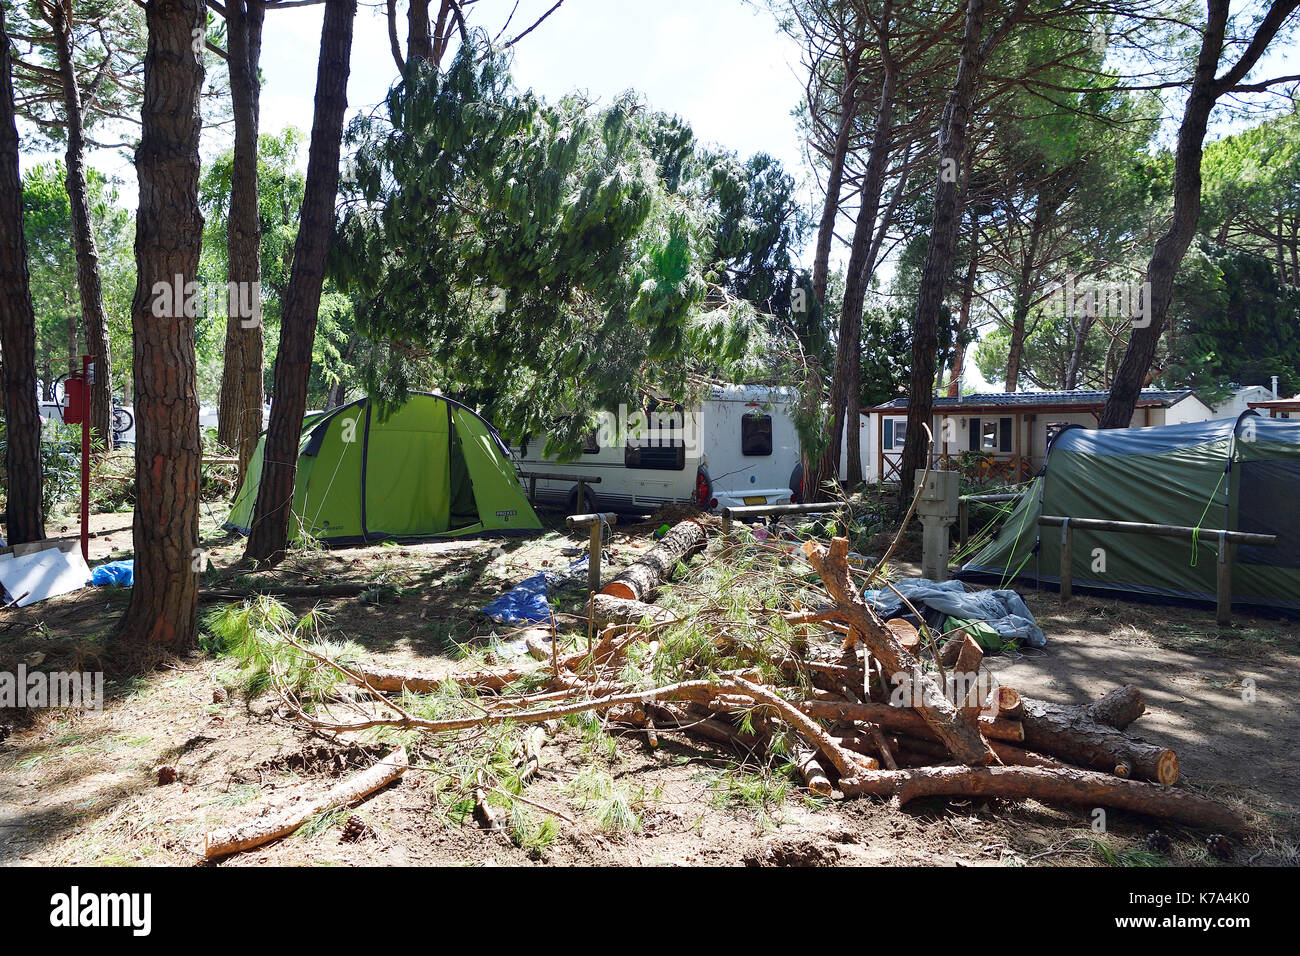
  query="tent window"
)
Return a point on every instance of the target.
[{"x": 756, "y": 435}]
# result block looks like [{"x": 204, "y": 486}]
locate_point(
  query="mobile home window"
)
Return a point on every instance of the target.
[
  {"x": 756, "y": 435},
  {"x": 990, "y": 434},
  {"x": 895, "y": 433}
]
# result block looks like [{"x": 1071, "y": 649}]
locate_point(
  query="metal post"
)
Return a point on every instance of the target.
[
  {"x": 1067, "y": 563},
  {"x": 1223, "y": 613}
]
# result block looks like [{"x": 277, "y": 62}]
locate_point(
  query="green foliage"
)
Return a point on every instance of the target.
[
  {"x": 533, "y": 258},
  {"x": 47, "y": 223},
  {"x": 252, "y": 634},
  {"x": 613, "y": 807},
  {"x": 1233, "y": 323},
  {"x": 1251, "y": 192}
]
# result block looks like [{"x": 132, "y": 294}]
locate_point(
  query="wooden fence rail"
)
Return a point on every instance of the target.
[{"x": 1228, "y": 541}]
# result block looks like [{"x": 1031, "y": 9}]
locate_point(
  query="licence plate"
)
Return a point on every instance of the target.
[{"x": 755, "y": 500}]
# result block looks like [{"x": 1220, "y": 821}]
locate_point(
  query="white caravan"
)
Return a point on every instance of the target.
[{"x": 736, "y": 447}]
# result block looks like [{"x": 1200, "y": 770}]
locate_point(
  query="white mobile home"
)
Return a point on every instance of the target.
[{"x": 738, "y": 446}]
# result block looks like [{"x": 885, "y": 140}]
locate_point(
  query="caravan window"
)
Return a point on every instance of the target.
[
  {"x": 756, "y": 435},
  {"x": 654, "y": 447}
]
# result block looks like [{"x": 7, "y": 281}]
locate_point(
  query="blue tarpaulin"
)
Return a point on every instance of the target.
[
  {"x": 526, "y": 603},
  {"x": 118, "y": 574}
]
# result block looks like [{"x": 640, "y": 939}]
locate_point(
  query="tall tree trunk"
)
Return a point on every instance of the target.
[
  {"x": 1172, "y": 246},
  {"x": 163, "y": 614},
  {"x": 93, "y": 317},
  {"x": 855, "y": 280},
  {"x": 938, "y": 258},
  {"x": 1024, "y": 292},
  {"x": 853, "y": 437},
  {"x": 239, "y": 413},
  {"x": 1076, "y": 351},
  {"x": 835, "y": 181},
  {"x": 270, "y": 532},
  {"x": 24, "y": 519},
  {"x": 963, "y": 318},
  {"x": 419, "y": 39}
]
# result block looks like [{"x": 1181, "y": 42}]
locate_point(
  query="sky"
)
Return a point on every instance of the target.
[{"x": 721, "y": 64}]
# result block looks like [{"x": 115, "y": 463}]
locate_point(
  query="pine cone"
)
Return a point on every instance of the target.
[
  {"x": 1220, "y": 846},
  {"x": 356, "y": 829},
  {"x": 1157, "y": 842},
  {"x": 166, "y": 775}
]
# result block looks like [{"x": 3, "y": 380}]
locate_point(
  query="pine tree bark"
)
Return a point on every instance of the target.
[
  {"x": 1169, "y": 250},
  {"x": 239, "y": 413},
  {"x": 419, "y": 38},
  {"x": 268, "y": 539},
  {"x": 163, "y": 614},
  {"x": 25, "y": 520},
  {"x": 938, "y": 258},
  {"x": 94, "y": 319}
]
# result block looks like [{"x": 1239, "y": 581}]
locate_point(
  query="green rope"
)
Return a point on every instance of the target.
[
  {"x": 1015, "y": 544},
  {"x": 1196, "y": 531}
]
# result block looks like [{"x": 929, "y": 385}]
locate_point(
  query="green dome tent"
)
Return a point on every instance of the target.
[
  {"x": 1234, "y": 475},
  {"x": 432, "y": 469}
]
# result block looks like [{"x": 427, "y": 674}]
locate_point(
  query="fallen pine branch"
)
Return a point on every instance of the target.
[
  {"x": 962, "y": 739},
  {"x": 264, "y": 829},
  {"x": 1050, "y": 785}
]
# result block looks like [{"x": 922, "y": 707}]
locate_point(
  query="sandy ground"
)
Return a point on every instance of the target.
[{"x": 84, "y": 788}]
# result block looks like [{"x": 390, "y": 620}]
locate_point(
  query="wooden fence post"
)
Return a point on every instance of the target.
[
  {"x": 1067, "y": 562},
  {"x": 1223, "y": 612}
]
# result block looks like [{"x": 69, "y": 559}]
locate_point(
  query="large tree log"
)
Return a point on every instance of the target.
[
  {"x": 656, "y": 566},
  {"x": 962, "y": 739},
  {"x": 1077, "y": 736},
  {"x": 264, "y": 829},
  {"x": 607, "y": 610},
  {"x": 1064, "y": 785}
]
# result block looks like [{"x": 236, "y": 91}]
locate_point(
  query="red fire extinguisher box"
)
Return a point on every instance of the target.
[{"x": 75, "y": 391}]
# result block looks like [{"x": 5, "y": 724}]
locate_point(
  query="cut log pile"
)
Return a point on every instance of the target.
[{"x": 861, "y": 707}]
